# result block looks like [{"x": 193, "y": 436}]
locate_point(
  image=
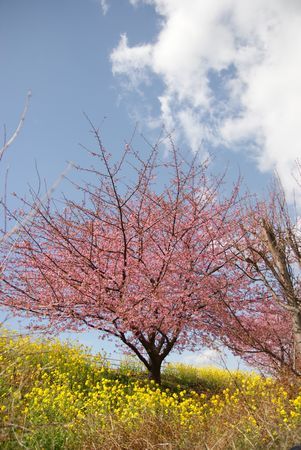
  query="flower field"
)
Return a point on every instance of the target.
[{"x": 56, "y": 396}]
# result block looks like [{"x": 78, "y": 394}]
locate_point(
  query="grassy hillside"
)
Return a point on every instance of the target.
[{"x": 55, "y": 396}]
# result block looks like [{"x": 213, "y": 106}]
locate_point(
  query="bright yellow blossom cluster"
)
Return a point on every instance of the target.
[{"x": 59, "y": 389}]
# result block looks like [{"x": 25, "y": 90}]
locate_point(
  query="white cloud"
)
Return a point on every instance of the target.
[
  {"x": 231, "y": 73},
  {"x": 208, "y": 357},
  {"x": 134, "y": 61},
  {"x": 104, "y": 6}
]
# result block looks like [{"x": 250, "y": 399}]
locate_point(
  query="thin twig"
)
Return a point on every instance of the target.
[{"x": 18, "y": 129}]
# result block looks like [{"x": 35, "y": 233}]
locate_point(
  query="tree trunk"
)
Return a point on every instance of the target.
[
  {"x": 297, "y": 340},
  {"x": 155, "y": 370}
]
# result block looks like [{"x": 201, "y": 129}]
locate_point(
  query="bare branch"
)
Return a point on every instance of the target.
[{"x": 8, "y": 143}]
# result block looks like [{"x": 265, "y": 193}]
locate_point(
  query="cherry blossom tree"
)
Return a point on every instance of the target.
[
  {"x": 144, "y": 257},
  {"x": 269, "y": 254},
  {"x": 5, "y": 233},
  {"x": 262, "y": 335}
]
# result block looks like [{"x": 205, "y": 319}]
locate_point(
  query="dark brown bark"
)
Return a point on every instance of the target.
[{"x": 155, "y": 370}]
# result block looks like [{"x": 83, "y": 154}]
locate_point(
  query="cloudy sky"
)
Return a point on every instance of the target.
[
  {"x": 230, "y": 75},
  {"x": 221, "y": 75}
]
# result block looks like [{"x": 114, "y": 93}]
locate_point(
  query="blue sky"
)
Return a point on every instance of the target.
[{"x": 222, "y": 75}]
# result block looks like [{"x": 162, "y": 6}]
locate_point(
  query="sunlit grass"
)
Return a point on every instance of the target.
[{"x": 56, "y": 396}]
